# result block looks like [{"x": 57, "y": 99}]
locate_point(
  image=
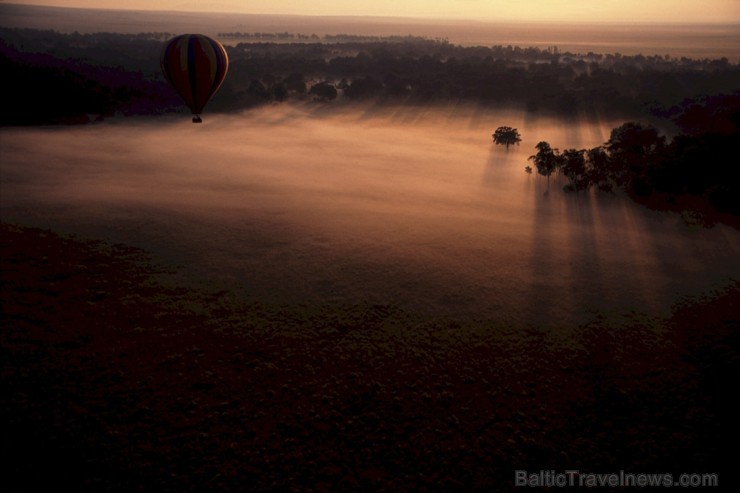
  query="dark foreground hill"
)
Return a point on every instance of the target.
[{"x": 116, "y": 380}]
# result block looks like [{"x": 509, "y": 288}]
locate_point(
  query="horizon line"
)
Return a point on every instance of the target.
[{"x": 424, "y": 19}]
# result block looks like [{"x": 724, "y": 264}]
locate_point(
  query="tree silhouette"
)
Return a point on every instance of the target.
[
  {"x": 634, "y": 148},
  {"x": 577, "y": 169},
  {"x": 295, "y": 83},
  {"x": 506, "y": 136},
  {"x": 547, "y": 160},
  {"x": 366, "y": 87},
  {"x": 323, "y": 91},
  {"x": 634, "y": 141},
  {"x": 600, "y": 168}
]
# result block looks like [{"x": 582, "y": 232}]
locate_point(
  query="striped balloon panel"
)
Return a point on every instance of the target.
[{"x": 196, "y": 66}]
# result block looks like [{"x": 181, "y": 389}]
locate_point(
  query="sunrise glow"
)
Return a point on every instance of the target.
[{"x": 528, "y": 10}]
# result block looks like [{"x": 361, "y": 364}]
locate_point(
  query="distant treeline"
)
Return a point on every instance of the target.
[
  {"x": 105, "y": 73},
  {"x": 56, "y": 78},
  {"x": 541, "y": 79},
  {"x": 330, "y": 38},
  {"x": 267, "y": 36}
]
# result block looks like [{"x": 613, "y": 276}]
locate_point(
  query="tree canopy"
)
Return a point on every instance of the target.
[
  {"x": 506, "y": 136},
  {"x": 547, "y": 159}
]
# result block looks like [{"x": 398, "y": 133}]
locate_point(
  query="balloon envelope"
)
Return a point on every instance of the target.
[{"x": 195, "y": 65}]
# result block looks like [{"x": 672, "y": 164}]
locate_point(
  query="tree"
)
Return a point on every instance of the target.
[
  {"x": 635, "y": 140},
  {"x": 547, "y": 160},
  {"x": 366, "y": 87},
  {"x": 280, "y": 92},
  {"x": 600, "y": 171},
  {"x": 574, "y": 166},
  {"x": 323, "y": 91},
  {"x": 634, "y": 149},
  {"x": 506, "y": 136},
  {"x": 295, "y": 83},
  {"x": 258, "y": 90}
]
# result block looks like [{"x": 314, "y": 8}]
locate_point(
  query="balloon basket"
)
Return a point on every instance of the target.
[{"x": 197, "y": 119}]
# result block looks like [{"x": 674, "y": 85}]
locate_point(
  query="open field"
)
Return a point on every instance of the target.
[
  {"x": 409, "y": 206},
  {"x": 116, "y": 382}
]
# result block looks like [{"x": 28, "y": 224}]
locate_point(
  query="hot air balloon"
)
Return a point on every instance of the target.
[{"x": 195, "y": 65}]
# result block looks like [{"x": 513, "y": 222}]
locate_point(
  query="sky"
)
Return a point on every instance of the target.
[{"x": 524, "y": 10}]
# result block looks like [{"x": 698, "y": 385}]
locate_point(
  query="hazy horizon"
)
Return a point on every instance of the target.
[
  {"x": 691, "y": 40},
  {"x": 630, "y": 11}
]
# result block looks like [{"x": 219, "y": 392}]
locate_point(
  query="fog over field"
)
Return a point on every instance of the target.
[{"x": 407, "y": 206}]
